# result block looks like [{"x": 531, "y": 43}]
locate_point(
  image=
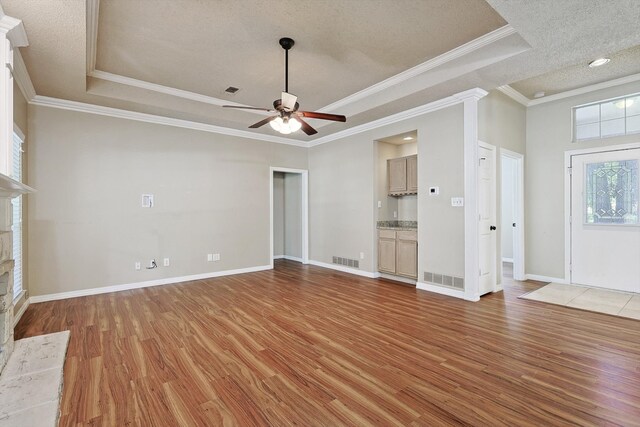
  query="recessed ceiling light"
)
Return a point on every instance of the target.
[
  {"x": 598, "y": 62},
  {"x": 539, "y": 94},
  {"x": 407, "y": 138}
]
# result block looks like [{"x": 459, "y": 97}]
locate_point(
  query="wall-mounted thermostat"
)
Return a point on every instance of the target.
[
  {"x": 147, "y": 200},
  {"x": 434, "y": 191}
]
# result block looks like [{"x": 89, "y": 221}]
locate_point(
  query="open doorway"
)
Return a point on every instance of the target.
[
  {"x": 289, "y": 215},
  {"x": 512, "y": 216}
]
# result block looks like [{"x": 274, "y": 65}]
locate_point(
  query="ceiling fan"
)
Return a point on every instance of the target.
[{"x": 288, "y": 118}]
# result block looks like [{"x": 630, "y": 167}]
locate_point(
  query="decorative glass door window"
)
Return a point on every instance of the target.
[{"x": 611, "y": 193}]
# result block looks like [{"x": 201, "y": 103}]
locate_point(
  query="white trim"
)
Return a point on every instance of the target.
[
  {"x": 116, "y": 78},
  {"x": 18, "y": 314},
  {"x": 345, "y": 269},
  {"x": 18, "y": 132},
  {"x": 519, "y": 245},
  {"x": 139, "y": 285},
  {"x": 549, "y": 279},
  {"x": 449, "y": 101},
  {"x": 93, "y": 8},
  {"x": 45, "y": 101},
  {"x": 398, "y": 279},
  {"x": 23, "y": 80},
  {"x": 426, "y": 286},
  {"x": 471, "y": 209},
  {"x": 438, "y": 61},
  {"x": 567, "y": 197},
  {"x": 514, "y": 94},
  {"x": 14, "y": 30},
  {"x": 304, "y": 184},
  {"x": 288, "y": 257},
  {"x": 517, "y": 96},
  {"x": 504, "y": 259}
]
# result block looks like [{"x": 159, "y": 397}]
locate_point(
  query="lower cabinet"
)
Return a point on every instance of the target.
[{"x": 398, "y": 253}]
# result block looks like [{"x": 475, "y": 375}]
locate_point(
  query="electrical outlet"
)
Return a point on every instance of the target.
[
  {"x": 379, "y": 203},
  {"x": 138, "y": 266},
  {"x": 457, "y": 201},
  {"x": 209, "y": 257},
  {"x": 216, "y": 257},
  {"x": 361, "y": 255},
  {"x": 166, "y": 262}
]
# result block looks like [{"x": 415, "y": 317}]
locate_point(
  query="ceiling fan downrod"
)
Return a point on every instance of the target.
[{"x": 286, "y": 43}]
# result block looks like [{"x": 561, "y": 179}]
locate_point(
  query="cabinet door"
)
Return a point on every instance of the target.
[
  {"x": 387, "y": 255},
  {"x": 397, "y": 175},
  {"x": 412, "y": 174},
  {"x": 407, "y": 258}
]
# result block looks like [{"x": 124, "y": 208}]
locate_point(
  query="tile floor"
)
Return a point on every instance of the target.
[{"x": 624, "y": 304}]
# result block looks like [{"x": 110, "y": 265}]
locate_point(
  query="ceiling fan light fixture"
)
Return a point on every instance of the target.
[
  {"x": 294, "y": 124},
  {"x": 276, "y": 124}
]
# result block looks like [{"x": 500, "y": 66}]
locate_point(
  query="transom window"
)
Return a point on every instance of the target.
[{"x": 619, "y": 116}]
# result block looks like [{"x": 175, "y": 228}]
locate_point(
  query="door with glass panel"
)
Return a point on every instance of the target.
[{"x": 605, "y": 223}]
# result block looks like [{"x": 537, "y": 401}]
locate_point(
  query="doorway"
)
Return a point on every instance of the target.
[
  {"x": 512, "y": 214},
  {"x": 604, "y": 219},
  {"x": 289, "y": 223}
]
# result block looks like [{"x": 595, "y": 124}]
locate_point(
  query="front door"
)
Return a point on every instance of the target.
[
  {"x": 487, "y": 210},
  {"x": 605, "y": 228}
]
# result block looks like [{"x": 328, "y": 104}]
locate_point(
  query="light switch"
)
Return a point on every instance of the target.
[
  {"x": 379, "y": 204},
  {"x": 147, "y": 200},
  {"x": 457, "y": 201}
]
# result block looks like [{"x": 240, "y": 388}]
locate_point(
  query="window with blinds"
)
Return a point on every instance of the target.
[{"x": 17, "y": 218}]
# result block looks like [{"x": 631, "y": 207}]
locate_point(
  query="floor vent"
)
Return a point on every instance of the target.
[
  {"x": 353, "y": 263},
  {"x": 444, "y": 280}
]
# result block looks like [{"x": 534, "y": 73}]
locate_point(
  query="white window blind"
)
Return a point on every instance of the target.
[{"x": 17, "y": 217}]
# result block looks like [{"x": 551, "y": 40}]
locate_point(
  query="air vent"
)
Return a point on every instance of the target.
[
  {"x": 231, "y": 89},
  {"x": 444, "y": 280},
  {"x": 353, "y": 263}
]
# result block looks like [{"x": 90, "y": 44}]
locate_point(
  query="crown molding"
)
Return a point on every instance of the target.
[
  {"x": 449, "y": 101},
  {"x": 14, "y": 29},
  {"x": 586, "y": 89},
  {"x": 45, "y": 101},
  {"x": 22, "y": 77},
  {"x": 116, "y": 78},
  {"x": 93, "y": 7},
  {"x": 438, "y": 61},
  {"x": 514, "y": 94}
]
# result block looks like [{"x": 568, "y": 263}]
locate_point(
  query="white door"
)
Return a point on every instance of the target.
[
  {"x": 487, "y": 208},
  {"x": 605, "y": 228}
]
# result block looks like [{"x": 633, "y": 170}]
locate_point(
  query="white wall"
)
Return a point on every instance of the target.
[
  {"x": 508, "y": 199},
  {"x": 86, "y": 225},
  {"x": 549, "y": 130}
]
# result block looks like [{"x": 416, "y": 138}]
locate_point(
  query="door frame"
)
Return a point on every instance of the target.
[
  {"x": 567, "y": 195},
  {"x": 494, "y": 208},
  {"x": 304, "y": 174},
  {"x": 518, "y": 235}
]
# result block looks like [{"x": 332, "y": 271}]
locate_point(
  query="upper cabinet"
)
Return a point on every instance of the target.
[{"x": 402, "y": 175}]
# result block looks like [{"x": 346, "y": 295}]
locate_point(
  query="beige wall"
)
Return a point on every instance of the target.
[
  {"x": 343, "y": 202},
  {"x": 502, "y": 122},
  {"x": 278, "y": 214},
  {"x": 87, "y": 227},
  {"x": 549, "y": 130},
  {"x": 293, "y": 215}
]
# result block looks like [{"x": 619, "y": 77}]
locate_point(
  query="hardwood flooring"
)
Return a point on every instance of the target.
[{"x": 307, "y": 346}]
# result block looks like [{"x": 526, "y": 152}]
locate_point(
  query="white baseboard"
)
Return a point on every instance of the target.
[
  {"x": 507, "y": 260},
  {"x": 138, "y": 285},
  {"x": 431, "y": 287},
  {"x": 545, "y": 278},
  {"x": 18, "y": 314},
  {"x": 345, "y": 269},
  {"x": 289, "y": 257},
  {"x": 398, "y": 279}
]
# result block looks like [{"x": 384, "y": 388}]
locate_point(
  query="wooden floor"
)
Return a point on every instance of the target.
[{"x": 308, "y": 346}]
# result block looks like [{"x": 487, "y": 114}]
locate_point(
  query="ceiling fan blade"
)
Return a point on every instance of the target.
[
  {"x": 323, "y": 116},
  {"x": 240, "y": 107},
  {"x": 289, "y": 101},
  {"x": 262, "y": 122},
  {"x": 306, "y": 128}
]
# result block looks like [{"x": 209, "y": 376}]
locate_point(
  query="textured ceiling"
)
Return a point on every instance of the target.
[
  {"x": 341, "y": 47},
  {"x": 399, "y": 139},
  {"x": 622, "y": 64}
]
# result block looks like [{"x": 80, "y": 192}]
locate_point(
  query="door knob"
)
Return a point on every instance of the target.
[{"x": 493, "y": 227}]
